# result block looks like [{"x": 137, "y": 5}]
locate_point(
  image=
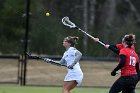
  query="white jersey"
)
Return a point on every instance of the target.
[{"x": 76, "y": 73}]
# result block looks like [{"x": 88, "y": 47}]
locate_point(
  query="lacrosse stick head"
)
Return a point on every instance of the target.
[{"x": 67, "y": 22}]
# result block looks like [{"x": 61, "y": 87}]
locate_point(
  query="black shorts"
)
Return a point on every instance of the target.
[{"x": 126, "y": 84}]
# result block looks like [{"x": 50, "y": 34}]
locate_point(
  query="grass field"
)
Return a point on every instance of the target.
[
  {"x": 39, "y": 73},
  {"x": 28, "y": 89}
]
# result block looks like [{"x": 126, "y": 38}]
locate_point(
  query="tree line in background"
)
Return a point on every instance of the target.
[{"x": 108, "y": 20}]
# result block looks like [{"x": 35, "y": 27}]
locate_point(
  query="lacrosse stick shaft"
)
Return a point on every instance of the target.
[
  {"x": 90, "y": 36},
  {"x": 46, "y": 60}
]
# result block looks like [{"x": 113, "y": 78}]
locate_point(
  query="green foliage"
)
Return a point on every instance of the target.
[
  {"x": 123, "y": 8},
  {"x": 46, "y": 33},
  {"x": 11, "y": 25}
]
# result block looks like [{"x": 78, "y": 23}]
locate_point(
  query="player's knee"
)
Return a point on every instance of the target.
[{"x": 65, "y": 90}]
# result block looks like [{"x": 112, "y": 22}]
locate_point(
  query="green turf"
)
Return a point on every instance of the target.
[{"x": 18, "y": 89}]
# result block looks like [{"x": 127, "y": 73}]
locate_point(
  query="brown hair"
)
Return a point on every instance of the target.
[
  {"x": 72, "y": 40},
  {"x": 129, "y": 39}
]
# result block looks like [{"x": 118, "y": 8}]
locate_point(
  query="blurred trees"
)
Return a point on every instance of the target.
[
  {"x": 11, "y": 25},
  {"x": 109, "y": 20}
]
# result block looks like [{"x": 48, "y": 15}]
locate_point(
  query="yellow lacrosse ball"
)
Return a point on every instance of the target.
[{"x": 47, "y": 14}]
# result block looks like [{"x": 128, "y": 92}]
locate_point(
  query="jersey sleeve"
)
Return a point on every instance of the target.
[
  {"x": 62, "y": 61},
  {"x": 122, "y": 52},
  {"x": 114, "y": 49},
  {"x": 119, "y": 46}
]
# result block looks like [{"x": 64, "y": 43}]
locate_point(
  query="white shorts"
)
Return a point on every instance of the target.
[{"x": 78, "y": 76}]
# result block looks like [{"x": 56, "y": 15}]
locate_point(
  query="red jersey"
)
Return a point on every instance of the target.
[
  {"x": 120, "y": 46},
  {"x": 131, "y": 60}
]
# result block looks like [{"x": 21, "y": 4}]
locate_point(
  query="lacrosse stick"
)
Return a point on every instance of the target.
[
  {"x": 67, "y": 22},
  {"x": 45, "y": 60}
]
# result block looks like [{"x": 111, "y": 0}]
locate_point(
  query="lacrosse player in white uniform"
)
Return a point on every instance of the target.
[{"x": 71, "y": 59}]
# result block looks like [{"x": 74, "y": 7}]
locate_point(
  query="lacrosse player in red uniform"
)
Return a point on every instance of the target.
[
  {"x": 128, "y": 63},
  {"x": 129, "y": 66}
]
